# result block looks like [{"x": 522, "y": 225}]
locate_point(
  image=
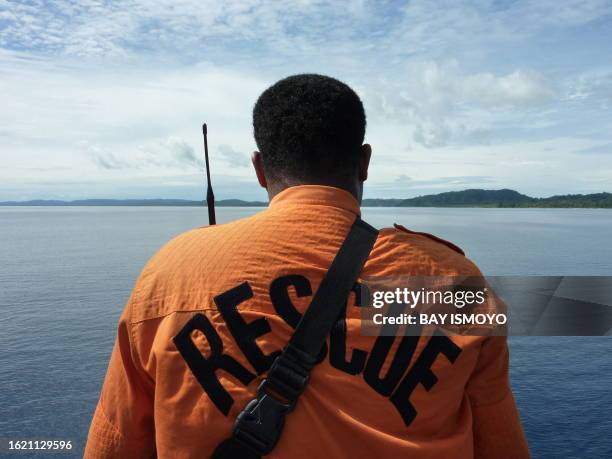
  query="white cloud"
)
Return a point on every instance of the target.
[
  {"x": 232, "y": 157},
  {"x": 444, "y": 104},
  {"x": 443, "y": 86},
  {"x": 517, "y": 89},
  {"x": 437, "y": 28},
  {"x": 121, "y": 28},
  {"x": 171, "y": 153},
  {"x": 105, "y": 119},
  {"x": 101, "y": 91}
]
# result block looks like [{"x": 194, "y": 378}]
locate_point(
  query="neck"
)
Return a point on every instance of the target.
[{"x": 353, "y": 187}]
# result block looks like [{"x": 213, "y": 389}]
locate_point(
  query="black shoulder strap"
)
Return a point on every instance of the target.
[{"x": 258, "y": 427}]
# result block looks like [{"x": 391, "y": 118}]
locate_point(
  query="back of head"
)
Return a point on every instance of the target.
[{"x": 309, "y": 128}]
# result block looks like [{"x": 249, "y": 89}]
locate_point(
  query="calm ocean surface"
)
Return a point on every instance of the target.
[{"x": 65, "y": 274}]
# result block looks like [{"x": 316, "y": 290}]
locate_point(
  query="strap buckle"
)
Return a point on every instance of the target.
[
  {"x": 289, "y": 374},
  {"x": 259, "y": 425}
]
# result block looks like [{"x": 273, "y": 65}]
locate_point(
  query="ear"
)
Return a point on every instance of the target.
[
  {"x": 364, "y": 161},
  {"x": 257, "y": 161}
]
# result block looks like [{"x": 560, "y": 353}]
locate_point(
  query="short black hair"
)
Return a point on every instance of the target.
[{"x": 309, "y": 126}]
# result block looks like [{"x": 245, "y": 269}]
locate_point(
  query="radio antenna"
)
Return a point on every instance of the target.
[{"x": 210, "y": 197}]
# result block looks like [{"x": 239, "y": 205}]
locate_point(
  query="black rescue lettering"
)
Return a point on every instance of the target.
[
  {"x": 337, "y": 342},
  {"x": 204, "y": 369},
  {"x": 380, "y": 352},
  {"x": 279, "y": 296},
  {"x": 244, "y": 333},
  {"x": 398, "y": 382},
  {"x": 421, "y": 373},
  {"x": 385, "y": 385}
]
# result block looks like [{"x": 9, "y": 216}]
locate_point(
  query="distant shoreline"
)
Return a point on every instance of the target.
[{"x": 467, "y": 198}]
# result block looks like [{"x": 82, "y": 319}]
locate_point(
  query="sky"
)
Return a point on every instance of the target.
[{"x": 105, "y": 99}]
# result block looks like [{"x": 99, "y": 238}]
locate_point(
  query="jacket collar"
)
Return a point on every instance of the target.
[{"x": 316, "y": 195}]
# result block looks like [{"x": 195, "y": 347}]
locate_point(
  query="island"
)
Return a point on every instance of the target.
[{"x": 504, "y": 198}]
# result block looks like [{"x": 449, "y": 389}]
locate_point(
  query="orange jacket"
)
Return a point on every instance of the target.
[{"x": 226, "y": 296}]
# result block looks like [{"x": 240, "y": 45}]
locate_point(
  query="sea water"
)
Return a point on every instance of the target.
[{"x": 66, "y": 272}]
